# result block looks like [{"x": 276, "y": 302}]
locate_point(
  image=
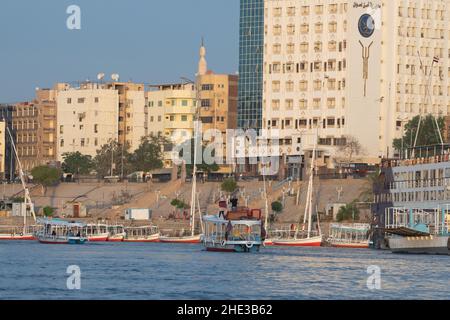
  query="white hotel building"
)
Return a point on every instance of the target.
[{"x": 352, "y": 68}]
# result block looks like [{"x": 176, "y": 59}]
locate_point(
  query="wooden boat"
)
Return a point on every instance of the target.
[
  {"x": 142, "y": 234},
  {"x": 25, "y": 233},
  {"x": 116, "y": 234},
  {"x": 61, "y": 232},
  {"x": 232, "y": 233},
  {"x": 96, "y": 232},
  {"x": 352, "y": 236},
  {"x": 301, "y": 237}
]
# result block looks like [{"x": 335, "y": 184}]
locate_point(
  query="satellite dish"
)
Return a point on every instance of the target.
[
  {"x": 101, "y": 76},
  {"x": 115, "y": 77}
]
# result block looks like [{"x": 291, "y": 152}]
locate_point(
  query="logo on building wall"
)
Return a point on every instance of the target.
[{"x": 366, "y": 27}]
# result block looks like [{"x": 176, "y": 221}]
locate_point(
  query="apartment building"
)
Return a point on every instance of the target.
[
  {"x": 34, "y": 125},
  {"x": 334, "y": 69},
  {"x": 170, "y": 113}
]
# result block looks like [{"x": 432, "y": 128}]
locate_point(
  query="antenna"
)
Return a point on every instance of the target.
[
  {"x": 115, "y": 77},
  {"x": 101, "y": 76}
]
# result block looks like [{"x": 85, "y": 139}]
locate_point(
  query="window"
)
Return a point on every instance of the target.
[
  {"x": 61, "y": 129},
  {"x": 95, "y": 128},
  {"x": 81, "y": 100},
  {"x": 69, "y": 100},
  {"x": 184, "y": 118},
  {"x": 184, "y": 103},
  {"x": 206, "y": 103},
  {"x": 96, "y": 99}
]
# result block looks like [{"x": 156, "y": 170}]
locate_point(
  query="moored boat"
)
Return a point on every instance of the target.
[
  {"x": 352, "y": 236},
  {"x": 61, "y": 232},
  {"x": 116, "y": 233},
  {"x": 142, "y": 234},
  {"x": 96, "y": 232},
  {"x": 232, "y": 233}
]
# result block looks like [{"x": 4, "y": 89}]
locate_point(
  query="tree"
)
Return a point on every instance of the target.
[
  {"x": 46, "y": 176},
  {"x": 48, "y": 211},
  {"x": 149, "y": 156},
  {"x": 77, "y": 163},
  {"x": 348, "y": 212},
  {"x": 229, "y": 185},
  {"x": 374, "y": 184},
  {"x": 351, "y": 148},
  {"x": 113, "y": 152},
  {"x": 277, "y": 207},
  {"x": 428, "y": 135}
]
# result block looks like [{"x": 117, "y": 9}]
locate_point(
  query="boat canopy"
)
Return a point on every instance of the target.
[
  {"x": 217, "y": 220},
  {"x": 61, "y": 223}
]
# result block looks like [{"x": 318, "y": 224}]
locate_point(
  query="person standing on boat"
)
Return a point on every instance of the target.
[
  {"x": 234, "y": 203},
  {"x": 228, "y": 230}
]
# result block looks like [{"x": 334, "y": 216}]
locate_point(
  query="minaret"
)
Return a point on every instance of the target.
[{"x": 202, "y": 65}]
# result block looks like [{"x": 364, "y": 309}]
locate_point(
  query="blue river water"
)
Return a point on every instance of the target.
[{"x": 30, "y": 270}]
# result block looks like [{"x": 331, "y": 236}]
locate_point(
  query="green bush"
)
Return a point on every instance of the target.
[
  {"x": 48, "y": 211},
  {"x": 277, "y": 206},
  {"x": 349, "y": 212}
]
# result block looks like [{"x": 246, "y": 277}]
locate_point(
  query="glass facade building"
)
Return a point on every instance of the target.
[{"x": 251, "y": 55}]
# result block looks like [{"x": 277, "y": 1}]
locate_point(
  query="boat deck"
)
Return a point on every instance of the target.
[{"x": 406, "y": 232}]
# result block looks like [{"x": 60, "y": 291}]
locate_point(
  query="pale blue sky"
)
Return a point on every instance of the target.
[{"x": 143, "y": 40}]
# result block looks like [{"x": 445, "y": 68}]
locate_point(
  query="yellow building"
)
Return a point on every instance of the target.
[{"x": 170, "y": 113}]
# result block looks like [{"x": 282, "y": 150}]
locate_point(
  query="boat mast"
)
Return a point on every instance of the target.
[
  {"x": 311, "y": 182},
  {"x": 27, "y": 198},
  {"x": 194, "y": 170},
  {"x": 266, "y": 221}
]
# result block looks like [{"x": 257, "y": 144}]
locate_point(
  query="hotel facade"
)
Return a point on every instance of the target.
[{"x": 337, "y": 69}]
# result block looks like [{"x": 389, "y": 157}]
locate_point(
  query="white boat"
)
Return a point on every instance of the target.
[
  {"x": 61, "y": 232},
  {"x": 116, "y": 233},
  {"x": 354, "y": 236},
  {"x": 26, "y": 232},
  {"x": 142, "y": 234},
  {"x": 96, "y": 232},
  {"x": 300, "y": 237},
  {"x": 234, "y": 235}
]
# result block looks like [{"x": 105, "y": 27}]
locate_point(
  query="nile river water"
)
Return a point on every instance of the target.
[{"x": 30, "y": 270}]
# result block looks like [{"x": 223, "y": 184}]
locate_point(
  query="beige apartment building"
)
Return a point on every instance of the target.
[
  {"x": 335, "y": 69},
  {"x": 93, "y": 114},
  {"x": 34, "y": 124}
]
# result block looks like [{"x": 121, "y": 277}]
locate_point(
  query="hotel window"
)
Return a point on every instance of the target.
[
  {"x": 302, "y": 123},
  {"x": 289, "y": 104},
  {"x": 276, "y": 67},
  {"x": 206, "y": 103},
  {"x": 303, "y": 66},
  {"x": 82, "y": 142},
  {"x": 318, "y": 46},
  {"x": 291, "y": 29},
  {"x": 291, "y": 11},
  {"x": 303, "y": 104},
  {"x": 277, "y": 30},
  {"x": 61, "y": 129},
  {"x": 290, "y": 48},
  {"x": 95, "y": 128},
  {"x": 184, "y": 103},
  {"x": 332, "y": 27},
  {"x": 318, "y": 9},
  {"x": 331, "y": 103},
  {"x": 304, "y": 47},
  {"x": 290, "y": 67},
  {"x": 317, "y": 85},
  {"x": 184, "y": 118},
  {"x": 331, "y": 84},
  {"x": 316, "y": 103},
  {"x": 81, "y": 100},
  {"x": 276, "y": 86},
  {"x": 276, "y": 104},
  {"x": 304, "y": 10},
  {"x": 332, "y": 8},
  {"x": 160, "y": 103},
  {"x": 277, "y": 48},
  {"x": 290, "y": 86},
  {"x": 332, "y": 46},
  {"x": 69, "y": 100},
  {"x": 277, "y": 12},
  {"x": 303, "y": 85},
  {"x": 304, "y": 28},
  {"x": 96, "y": 100},
  {"x": 317, "y": 66},
  {"x": 61, "y": 144},
  {"x": 318, "y": 27}
]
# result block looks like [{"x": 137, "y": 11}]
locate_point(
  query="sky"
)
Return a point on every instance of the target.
[{"x": 151, "y": 41}]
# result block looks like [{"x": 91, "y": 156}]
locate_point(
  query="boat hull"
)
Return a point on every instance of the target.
[
  {"x": 233, "y": 249},
  {"x": 45, "y": 240},
  {"x": 185, "y": 240},
  {"x": 439, "y": 245},
  {"x": 153, "y": 238},
  {"x": 25, "y": 237},
  {"x": 308, "y": 242},
  {"x": 350, "y": 245},
  {"x": 98, "y": 238},
  {"x": 115, "y": 239}
]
